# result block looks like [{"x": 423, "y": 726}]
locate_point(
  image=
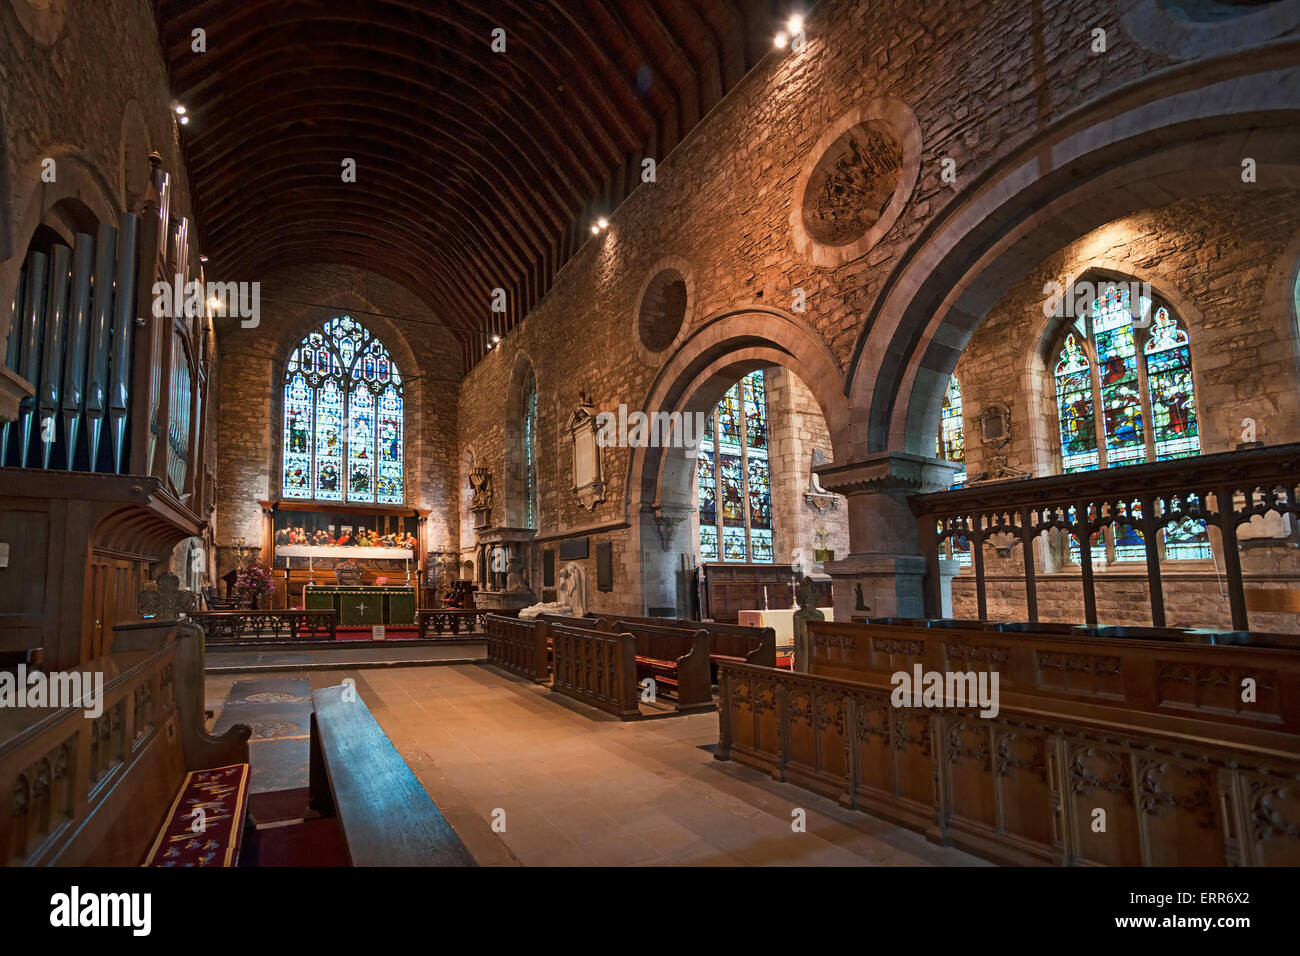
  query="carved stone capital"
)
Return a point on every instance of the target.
[
  {"x": 667, "y": 520},
  {"x": 887, "y": 472}
]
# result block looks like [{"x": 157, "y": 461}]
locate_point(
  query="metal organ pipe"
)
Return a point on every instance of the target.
[
  {"x": 33, "y": 329},
  {"x": 100, "y": 332},
  {"x": 74, "y": 364},
  {"x": 56, "y": 319}
]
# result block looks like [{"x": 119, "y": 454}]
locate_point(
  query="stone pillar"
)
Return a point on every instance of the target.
[
  {"x": 884, "y": 564},
  {"x": 664, "y": 537}
]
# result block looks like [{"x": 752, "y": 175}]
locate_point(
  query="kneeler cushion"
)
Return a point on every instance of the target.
[{"x": 222, "y": 795}]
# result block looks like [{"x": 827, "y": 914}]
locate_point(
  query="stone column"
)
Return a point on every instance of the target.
[
  {"x": 884, "y": 559},
  {"x": 664, "y": 537}
]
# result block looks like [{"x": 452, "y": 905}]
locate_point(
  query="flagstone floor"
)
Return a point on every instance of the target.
[{"x": 528, "y": 778}]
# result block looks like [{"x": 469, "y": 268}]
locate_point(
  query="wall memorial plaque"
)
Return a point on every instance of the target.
[{"x": 605, "y": 566}]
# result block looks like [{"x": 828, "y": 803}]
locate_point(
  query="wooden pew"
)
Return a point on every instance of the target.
[
  {"x": 596, "y": 668},
  {"x": 519, "y": 646},
  {"x": 97, "y": 791},
  {"x": 1149, "y": 726},
  {"x": 731, "y": 642},
  {"x": 675, "y": 658},
  {"x": 356, "y": 774}
]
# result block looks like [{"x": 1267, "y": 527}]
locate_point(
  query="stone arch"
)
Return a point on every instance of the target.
[
  {"x": 722, "y": 348},
  {"x": 78, "y": 184},
  {"x": 513, "y": 491},
  {"x": 1174, "y": 136}
]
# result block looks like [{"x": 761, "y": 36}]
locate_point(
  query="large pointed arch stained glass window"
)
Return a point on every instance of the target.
[
  {"x": 343, "y": 418},
  {"x": 1124, "y": 395},
  {"x": 733, "y": 477}
]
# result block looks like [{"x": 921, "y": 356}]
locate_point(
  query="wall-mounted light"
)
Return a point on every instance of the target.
[
  {"x": 180, "y": 110},
  {"x": 203, "y": 258},
  {"x": 496, "y": 339},
  {"x": 780, "y": 40},
  {"x": 185, "y": 121},
  {"x": 795, "y": 24}
]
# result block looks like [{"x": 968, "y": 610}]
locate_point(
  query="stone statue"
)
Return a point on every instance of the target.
[{"x": 571, "y": 594}]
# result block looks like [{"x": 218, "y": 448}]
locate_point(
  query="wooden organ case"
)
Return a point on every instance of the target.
[{"x": 106, "y": 468}]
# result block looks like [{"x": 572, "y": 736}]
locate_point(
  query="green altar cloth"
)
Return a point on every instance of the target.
[{"x": 361, "y": 605}]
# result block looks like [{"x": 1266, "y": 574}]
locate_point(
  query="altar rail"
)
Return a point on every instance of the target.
[
  {"x": 451, "y": 621},
  {"x": 1225, "y": 491},
  {"x": 246, "y": 625},
  {"x": 1152, "y": 733}
]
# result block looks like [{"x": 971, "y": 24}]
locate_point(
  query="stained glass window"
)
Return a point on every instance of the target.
[
  {"x": 950, "y": 444},
  {"x": 343, "y": 417},
  {"x": 530, "y": 450},
  {"x": 1124, "y": 374},
  {"x": 733, "y": 477}
]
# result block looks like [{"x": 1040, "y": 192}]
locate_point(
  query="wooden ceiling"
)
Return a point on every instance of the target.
[{"x": 474, "y": 169}]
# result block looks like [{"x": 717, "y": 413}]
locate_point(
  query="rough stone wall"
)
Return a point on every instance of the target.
[
  {"x": 250, "y": 398},
  {"x": 979, "y": 83},
  {"x": 71, "y": 99}
]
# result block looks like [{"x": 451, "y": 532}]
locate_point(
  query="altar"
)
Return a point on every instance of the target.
[
  {"x": 780, "y": 620},
  {"x": 363, "y": 605}
]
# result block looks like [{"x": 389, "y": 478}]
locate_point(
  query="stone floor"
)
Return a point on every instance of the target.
[{"x": 576, "y": 787}]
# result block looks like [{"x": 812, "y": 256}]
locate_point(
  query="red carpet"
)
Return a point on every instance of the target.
[{"x": 313, "y": 841}]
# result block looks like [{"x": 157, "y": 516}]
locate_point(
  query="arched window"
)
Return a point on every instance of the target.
[
  {"x": 343, "y": 417},
  {"x": 1124, "y": 395},
  {"x": 950, "y": 444},
  {"x": 733, "y": 477},
  {"x": 530, "y": 450}
]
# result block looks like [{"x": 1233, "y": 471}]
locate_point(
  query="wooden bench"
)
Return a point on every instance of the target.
[
  {"x": 675, "y": 658},
  {"x": 737, "y": 643},
  {"x": 106, "y": 790},
  {"x": 519, "y": 646},
  {"x": 356, "y": 774},
  {"x": 595, "y": 667}
]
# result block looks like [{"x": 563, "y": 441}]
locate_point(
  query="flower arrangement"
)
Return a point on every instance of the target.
[{"x": 253, "y": 582}]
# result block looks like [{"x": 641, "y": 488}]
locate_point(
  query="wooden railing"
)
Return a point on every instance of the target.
[
  {"x": 453, "y": 621},
  {"x": 245, "y": 625},
  {"x": 1224, "y": 491},
  {"x": 1157, "y": 738},
  {"x": 595, "y": 668},
  {"x": 519, "y": 646}
]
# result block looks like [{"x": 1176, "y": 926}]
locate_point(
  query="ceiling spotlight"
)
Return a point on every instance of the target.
[
  {"x": 781, "y": 40},
  {"x": 180, "y": 110},
  {"x": 595, "y": 229},
  {"x": 203, "y": 258},
  {"x": 185, "y": 120},
  {"x": 795, "y": 25},
  {"x": 602, "y": 222},
  {"x": 496, "y": 339}
]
